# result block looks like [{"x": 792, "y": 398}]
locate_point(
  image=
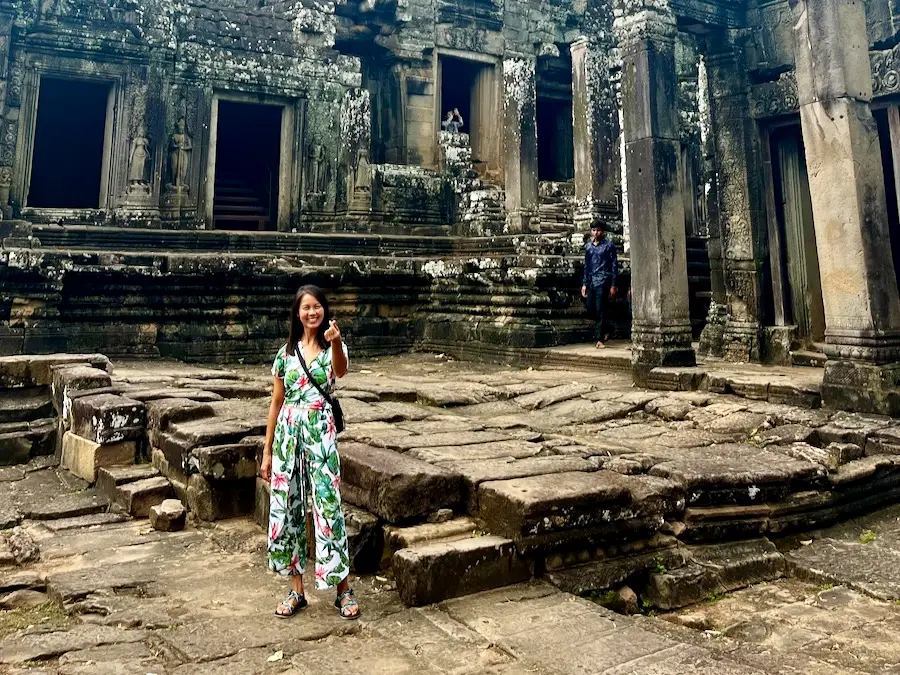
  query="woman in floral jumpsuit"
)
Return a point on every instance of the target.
[{"x": 300, "y": 457}]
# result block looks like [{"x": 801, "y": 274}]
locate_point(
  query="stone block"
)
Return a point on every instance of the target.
[
  {"x": 107, "y": 418},
  {"x": 796, "y": 395},
  {"x": 169, "y": 516},
  {"x": 15, "y": 448},
  {"x": 884, "y": 442},
  {"x": 84, "y": 457},
  {"x": 608, "y": 573},
  {"x": 687, "y": 585},
  {"x": 138, "y": 497},
  {"x": 24, "y": 404},
  {"x": 75, "y": 378},
  {"x": 365, "y": 540},
  {"x": 236, "y": 460},
  {"x": 741, "y": 563},
  {"x": 110, "y": 477},
  {"x": 261, "y": 503},
  {"x": 395, "y": 487},
  {"x": 435, "y": 572},
  {"x": 397, "y": 538},
  {"x": 210, "y": 499},
  {"x": 537, "y": 505},
  {"x": 738, "y": 474}
]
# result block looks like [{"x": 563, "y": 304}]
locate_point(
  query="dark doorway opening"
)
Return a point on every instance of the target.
[
  {"x": 556, "y": 152},
  {"x": 248, "y": 154},
  {"x": 890, "y": 185},
  {"x": 67, "y": 161},
  {"x": 469, "y": 87},
  {"x": 457, "y": 81},
  {"x": 802, "y": 286}
]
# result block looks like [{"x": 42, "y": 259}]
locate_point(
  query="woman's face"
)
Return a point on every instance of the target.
[{"x": 311, "y": 312}]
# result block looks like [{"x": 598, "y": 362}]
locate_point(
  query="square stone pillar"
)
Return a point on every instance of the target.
[
  {"x": 520, "y": 144},
  {"x": 739, "y": 181},
  {"x": 661, "y": 324},
  {"x": 859, "y": 288},
  {"x": 595, "y": 126}
]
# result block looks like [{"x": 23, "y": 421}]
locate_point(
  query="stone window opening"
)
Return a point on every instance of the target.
[
  {"x": 248, "y": 157},
  {"x": 69, "y": 156}
]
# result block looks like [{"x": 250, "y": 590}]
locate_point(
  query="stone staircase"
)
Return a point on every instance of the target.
[
  {"x": 239, "y": 205},
  {"x": 557, "y": 202},
  {"x": 483, "y": 210}
]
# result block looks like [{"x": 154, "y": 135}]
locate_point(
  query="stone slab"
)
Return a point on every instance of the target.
[
  {"x": 108, "y": 478},
  {"x": 43, "y": 646},
  {"x": 107, "y": 418},
  {"x": 393, "y": 486},
  {"x": 525, "y": 507},
  {"x": 510, "y": 449},
  {"x": 547, "y": 397},
  {"x": 139, "y": 496},
  {"x": 737, "y": 473},
  {"x": 24, "y": 404},
  {"x": 434, "y": 572},
  {"x": 84, "y": 457},
  {"x": 66, "y": 506},
  {"x": 407, "y": 537}
]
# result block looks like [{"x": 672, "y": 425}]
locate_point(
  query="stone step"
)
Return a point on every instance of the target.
[
  {"x": 25, "y": 404},
  {"x": 19, "y": 441},
  {"x": 433, "y": 572},
  {"x": 395, "y": 487},
  {"x": 456, "y": 529},
  {"x": 111, "y": 477},
  {"x": 84, "y": 457},
  {"x": 138, "y": 497}
]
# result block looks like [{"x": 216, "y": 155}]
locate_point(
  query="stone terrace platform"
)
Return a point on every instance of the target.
[
  {"x": 572, "y": 475},
  {"x": 458, "y": 478}
]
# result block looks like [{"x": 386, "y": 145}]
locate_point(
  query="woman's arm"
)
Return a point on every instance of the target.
[
  {"x": 274, "y": 409},
  {"x": 338, "y": 357}
]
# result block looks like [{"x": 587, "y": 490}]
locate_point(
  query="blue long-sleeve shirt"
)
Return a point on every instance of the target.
[{"x": 601, "y": 262}]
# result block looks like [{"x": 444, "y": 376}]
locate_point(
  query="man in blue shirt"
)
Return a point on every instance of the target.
[{"x": 601, "y": 266}]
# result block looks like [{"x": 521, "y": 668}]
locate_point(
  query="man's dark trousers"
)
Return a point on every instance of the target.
[{"x": 597, "y": 303}]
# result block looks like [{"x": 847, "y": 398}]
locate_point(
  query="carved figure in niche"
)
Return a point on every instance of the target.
[
  {"x": 180, "y": 149},
  {"x": 363, "y": 176},
  {"x": 453, "y": 122},
  {"x": 139, "y": 159},
  {"x": 317, "y": 169}
]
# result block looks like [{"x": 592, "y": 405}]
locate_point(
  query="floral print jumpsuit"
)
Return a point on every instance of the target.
[{"x": 305, "y": 461}]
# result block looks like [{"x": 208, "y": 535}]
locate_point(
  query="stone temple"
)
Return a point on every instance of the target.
[{"x": 171, "y": 170}]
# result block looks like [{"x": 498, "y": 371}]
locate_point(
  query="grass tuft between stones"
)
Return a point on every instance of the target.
[
  {"x": 47, "y": 615},
  {"x": 867, "y": 537}
]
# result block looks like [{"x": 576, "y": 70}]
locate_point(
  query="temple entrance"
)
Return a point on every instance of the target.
[
  {"x": 801, "y": 284},
  {"x": 469, "y": 86},
  {"x": 248, "y": 152},
  {"x": 888, "y": 120},
  {"x": 67, "y": 169},
  {"x": 556, "y": 150}
]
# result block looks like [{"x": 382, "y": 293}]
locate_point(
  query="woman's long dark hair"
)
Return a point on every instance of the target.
[{"x": 295, "y": 326}]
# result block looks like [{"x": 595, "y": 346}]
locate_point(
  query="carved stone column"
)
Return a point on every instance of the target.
[
  {"x": 862, "y": 309},
  {"x": 520, "y": 146},
  {"x": 741, "y": 196},
  {"x": 595, "y": 119},
  {"x": 661, "y": 326}
]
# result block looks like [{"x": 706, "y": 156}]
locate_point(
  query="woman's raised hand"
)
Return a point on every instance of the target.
[{"x": 332, "y": 333}]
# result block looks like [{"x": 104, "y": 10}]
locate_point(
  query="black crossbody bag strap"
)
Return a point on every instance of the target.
[
  {"x": 336, "y": 411},
  {"x": 312, "y": 381}
]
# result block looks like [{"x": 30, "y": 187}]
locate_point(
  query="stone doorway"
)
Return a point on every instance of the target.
[
  {"x": 470, "y": 86},
  {"x": 888, "y": 121},
  {"x": 800, "y": 279},
  {"x": 556, "y": 152},
  {"x": 247, "y": 166},
  {"x": 69, "y": 166}
]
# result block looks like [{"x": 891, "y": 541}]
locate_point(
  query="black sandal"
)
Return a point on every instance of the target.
[
  {"x": 292, "y": 607},
  {"x": 343, "y": 606}
]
